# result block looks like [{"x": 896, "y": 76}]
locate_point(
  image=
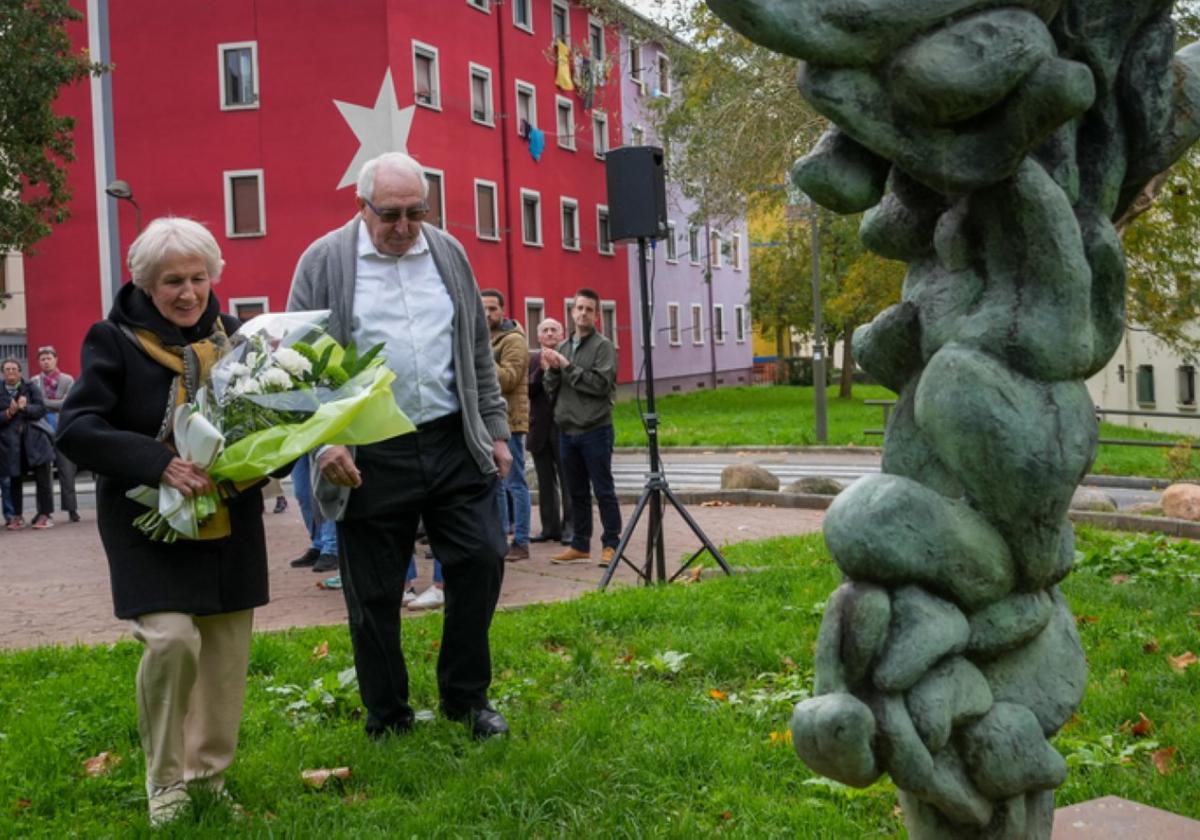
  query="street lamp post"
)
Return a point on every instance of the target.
[
  {"x": 818, "y": 357},
  {"x": 121, "y": 191}
]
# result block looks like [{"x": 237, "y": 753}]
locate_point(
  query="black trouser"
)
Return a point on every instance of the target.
[
  {"x": 66, "y": 480},
  {"x": 44, "y": 480},
  {"x": 552, "y": 488},
  {"x": 427, "y": 475},
  {"x": 587, "y": 458}
]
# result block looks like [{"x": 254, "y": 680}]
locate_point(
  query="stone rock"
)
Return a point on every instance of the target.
[
  {"x": 951, "y": 792},
  {"x": 819, "y": 485},
  {"x": 899, "y": 748},
  {"x": 901, "y": 226},
  {"x": 889, "y": 347},
  {"x": 841, "y": 175},
  {"x": 829, "y": 676},
  {"x": 1008, "y": 623},
  {"x": 867, "y": 614},
  {"x": 923, "y": 629},
  {"x": 1146, "y": 509},
  {"x": 908, "y": 451},
  {"x": 1089, "y": 498},
  {"x": 952, "y": 692},
  {"x": 748, "y": 477},
  {"x": 1182, "y": 501},
  {"x": 1048, "y": 675},
  {"x": 1007, "y": 755},
  {"x": 891, "y": 530},
  {"x": 833, "y": 735}
]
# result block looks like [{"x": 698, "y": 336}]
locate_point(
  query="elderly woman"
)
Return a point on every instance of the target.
[
  {"x": 190, "y": 603},
  {"x": 26, "y": 445}
]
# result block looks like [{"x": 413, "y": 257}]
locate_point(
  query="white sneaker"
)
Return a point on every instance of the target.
[
  {"x": 432, "y": 598},
  {"x": 410, "y": 595},
  {"x": 167, "y": 803}
]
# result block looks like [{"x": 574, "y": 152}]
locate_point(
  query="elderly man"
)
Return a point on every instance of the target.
[
  {"x": 542, "y": 444},
  {"x": 55, "y": 384},
  {"x": 388, "y": 278}
]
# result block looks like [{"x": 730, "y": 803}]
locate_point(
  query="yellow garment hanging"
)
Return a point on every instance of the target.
[{"x": 563, "y": 78}]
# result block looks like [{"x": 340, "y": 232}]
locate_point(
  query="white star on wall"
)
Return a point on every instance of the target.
[{"x": 381, "y": 128}]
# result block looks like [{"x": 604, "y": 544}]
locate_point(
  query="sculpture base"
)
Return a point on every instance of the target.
[{"x": 1111, "y": 817}]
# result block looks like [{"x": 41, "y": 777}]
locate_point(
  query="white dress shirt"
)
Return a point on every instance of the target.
[{"x": 403, "y": 302}]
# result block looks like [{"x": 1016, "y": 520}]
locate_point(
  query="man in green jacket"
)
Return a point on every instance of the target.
[{"x": 581, "y": 375}]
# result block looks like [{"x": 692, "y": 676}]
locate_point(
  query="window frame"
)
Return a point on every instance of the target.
[
  {"x": 1185, "y": 375},
  {"x": 563, "y": 203},
  {"x": 714, "y": 247},
  {"x": 697, "y": 314},
  {"x": 530, "y": 324},
  {"x": 674, "y": 334},
  {"x": 441, "y": 176},
  {"x": 672, "y": 251},
  {"x": 569, "y": 322},
  {"x": 537, "y": 197},
  {"x": 251, "y": 300},
  {"x": 593, "y": 23},
  {"x": 637, "y": 134},
  {"x": 227, "y": 177},
  {"x": 735, "y": 250},
  {"x": 739, "y": 331},
  {"x": 694, "y": 257},
  {"x": 602, "y": 211},
  {"x": 430, "y": 52},
  {"x": 222, "y": 89},
  {"x": 478, "y": 182},
  {"x": 567, "y": 142},
  {"x": 566, "y": 10},
  {"x": 661, "y": 59},
  {"x": 637, "y": 70},
  {"x": 610, "y": 324},
  {"x": 520, "y": 86},
  {"x": 528, "y": 5},
  {"x": 484, "y": 6},
  {"x": 478, "y": 70},
  {"x": 600, "y": 122},
  {"x": 1148, "y": 370},
  {"x": 718, "y": 323}
]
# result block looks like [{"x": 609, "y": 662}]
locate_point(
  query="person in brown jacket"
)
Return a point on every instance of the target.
[{"x": 511, "y": 351}]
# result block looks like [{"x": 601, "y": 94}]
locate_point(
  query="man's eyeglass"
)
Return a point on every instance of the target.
[{"x": 391, "y": 215}]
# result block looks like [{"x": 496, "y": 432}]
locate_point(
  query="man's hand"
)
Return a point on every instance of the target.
[
  {"x": 186, "y": 477},
  {"x": 502, "y": 457},
  {"x": 554, "y": 359},
  {"x": 338, "y": 467}
]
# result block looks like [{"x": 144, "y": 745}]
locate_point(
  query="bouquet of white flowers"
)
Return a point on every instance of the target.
[{"x": 284, "y": 388}]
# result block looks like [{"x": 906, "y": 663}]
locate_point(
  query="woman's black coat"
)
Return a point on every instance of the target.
[
  {"x": 108, "y": 425},
  {"x": 25, "y": 430}
]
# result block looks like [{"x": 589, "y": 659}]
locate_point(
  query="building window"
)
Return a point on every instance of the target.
[
  {"x": 718, "y": 324},
  {"x": 570, "y": 224},
  {"x": 735, "y": 251},
  {"x": 239, "y": 75},
  {"x": 672, "y": 247},
  {"x": 244, "y": 212},
  {"x": 1145, "y": 384},
  {"x": 531, "y": 218},
  {"x": 637, "y": 136},
  {"x": 664, "y": 74},
  {"x": 481, "y": 95},
  {"x": 535, "y": 313},
  {"x": 523, "y": 14},
  {"x": 714, "y": 244},
  {"x": 481, "y": 5},
  {"x": 568, "y": 321},
  {"x": 427, "y": 89},
  {"x": 566, "y": 122},
  {"x": 245, "y": 308},
  {"x": 596, "y": 39},
  {"x": 697, "y": 324},
  {"x": 485, "y": 210},
  {"x": 599, "y": 134},
  {"x": 603, "y": 232},
  {"x": 608, "y": 320},
  {"x": 673, "y": 324},
  {"x": 693, "y": 245},
  {"x": 436, "y": 199},
  {"x": 526, "y": 108},
  {"x": 739, "y": 325},
  {"x": 560, "y": 21},
  {"x": 1186, "y": 377},
  {"x": 635, "y": 65}
]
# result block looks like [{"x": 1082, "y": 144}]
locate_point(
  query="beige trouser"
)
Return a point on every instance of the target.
[{"x": 190, "y": 688}]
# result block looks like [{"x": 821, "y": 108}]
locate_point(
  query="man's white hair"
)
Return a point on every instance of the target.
[
  {"x": 171, "y": 236},
  {"x": 396, "y": 161}
]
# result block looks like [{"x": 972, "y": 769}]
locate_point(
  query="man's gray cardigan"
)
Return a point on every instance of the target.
[{"x": 325, "y": 279}]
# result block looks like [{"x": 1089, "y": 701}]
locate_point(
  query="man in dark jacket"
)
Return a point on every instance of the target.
[
  {"x": 582, "y": 377},
  {"x": 55, "y": 385},
  {"x": 27, "y": 446},
  {"x": 542, "y": 443}
]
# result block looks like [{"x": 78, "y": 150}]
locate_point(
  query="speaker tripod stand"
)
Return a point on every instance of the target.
[{"x": 656, "y": 489}]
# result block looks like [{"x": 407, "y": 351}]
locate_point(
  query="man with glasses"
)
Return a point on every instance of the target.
[
  {"x": 54, "y": 385},
  {"x": 387, "y": 278}
]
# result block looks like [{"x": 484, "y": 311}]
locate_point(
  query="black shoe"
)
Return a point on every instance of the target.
[
  {"x": 306, "y": 559},
  {"x": 325, "y": 563},
  {"x": 484, "y": 723},
  {"x": 280, "y": 504},
  {"x": 73, "y": 515},
  {"x": 544, "y": 537},
  {"x": 377, "y": 731}
]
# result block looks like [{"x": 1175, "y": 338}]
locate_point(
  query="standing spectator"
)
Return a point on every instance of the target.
[
  {"x": 385, "y": 277},
  {"x": 581, "y": 376},
  {"x": 510, "y": 349},
  {"x": 28, "y": 446},
  {"x": 54, "y": 385},
  {"x": 321, "y": 554},
  {"x": 542, "y": 443}
]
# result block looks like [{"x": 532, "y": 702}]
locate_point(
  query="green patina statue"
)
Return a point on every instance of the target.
[{"x": 993, "y": 145}]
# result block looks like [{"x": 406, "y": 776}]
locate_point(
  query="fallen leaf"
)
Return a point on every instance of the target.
[
  {"x": 782, "y": 737},
  {"x": 1086, "y": 619},
  {"x": 897, "y": 812},
  {"x": 718, "y": 695},
  {"x": 627, "y": 658},
  {"x": 727, "y": 815},
  {"x": 1163, "y": 759},
  {"x": 1143, "y": 727},
  {"x": 1151, "y": 646},
  {"x": 790, "y": 663},
  {"x": 1183, "y": 661},
  {"x": 24, "y": 804},
  {"x": 317, "y": 778},
  {"x": 436, "y": 644},
  {"x": 695, "y": 574},
  {"x": 1119, "y": 579},
  {"x": 99, "y": 765},
  {"x": 321, "y": 651}
]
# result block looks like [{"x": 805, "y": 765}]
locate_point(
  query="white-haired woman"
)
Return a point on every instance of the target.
[{"x": 190, "y": 603}]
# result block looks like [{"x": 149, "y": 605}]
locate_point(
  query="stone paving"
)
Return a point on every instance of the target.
[{"x": 56, "y": 587}]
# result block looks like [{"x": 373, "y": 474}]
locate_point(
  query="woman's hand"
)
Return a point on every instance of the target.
[{"x": 187, "y": 478}]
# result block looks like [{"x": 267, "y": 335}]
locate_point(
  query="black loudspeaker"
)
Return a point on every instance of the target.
[{"x": 637, "y": 193}]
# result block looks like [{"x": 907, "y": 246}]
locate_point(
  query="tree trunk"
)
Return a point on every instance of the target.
[
  {"x": 780, "y": 355},
  {"x": 846, "y": 390}
]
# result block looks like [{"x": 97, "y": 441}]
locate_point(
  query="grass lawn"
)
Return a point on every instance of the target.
[
  {"x": 634, "y": 712},
  {"x": 783, "y": 415}
]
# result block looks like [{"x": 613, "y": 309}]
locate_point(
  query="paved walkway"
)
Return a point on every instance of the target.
[{"x": 56, "y": 587}]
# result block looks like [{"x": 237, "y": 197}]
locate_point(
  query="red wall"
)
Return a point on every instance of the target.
[{"x": 173, "y": 142}]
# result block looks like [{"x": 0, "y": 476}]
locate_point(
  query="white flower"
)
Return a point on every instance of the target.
[
  {"x": 292, "y": 362},
  {"x": 252, "y": 360},
  {"x": 276, "y": 378},
  {"x": 238, "y": 370},
  {"x": 247, "y": 386}
]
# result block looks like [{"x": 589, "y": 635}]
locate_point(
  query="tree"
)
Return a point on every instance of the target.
[{"x": 36, "y": 61}]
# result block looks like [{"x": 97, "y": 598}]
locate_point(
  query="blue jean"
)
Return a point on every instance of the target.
[
  {"x": 6, "y": 495},
  {"x": 516, "y": 486},
  {"x": 587, "y": 462},
  {"x": 323, "y": 533},
  {"x": 412, "y": 570}
]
